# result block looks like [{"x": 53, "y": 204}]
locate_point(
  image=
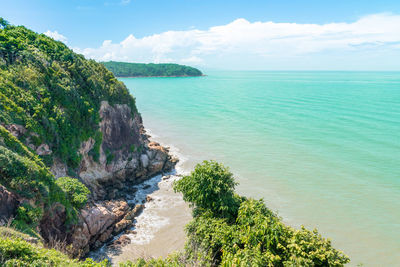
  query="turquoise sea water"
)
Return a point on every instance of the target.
[{"x": 322, "y": 148}]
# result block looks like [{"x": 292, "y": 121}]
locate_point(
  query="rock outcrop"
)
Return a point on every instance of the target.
[
  {"x": 97, "y": 223},
  {"x": 8, "y": 204},
  {"x": 127, "y": 157}
]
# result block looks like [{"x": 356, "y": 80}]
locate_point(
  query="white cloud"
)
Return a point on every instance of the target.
[
  {"x": 56, "y": 36},
  {"x": 125, "y": 2},
  {"x": 242, "y": 43}
]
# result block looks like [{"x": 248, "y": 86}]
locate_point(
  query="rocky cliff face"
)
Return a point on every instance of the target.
[{"x": 127, "y": 157}]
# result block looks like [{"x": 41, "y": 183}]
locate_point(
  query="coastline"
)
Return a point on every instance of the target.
[
  {"x": 159, "y": 229},
  {"x": 175, "y": 76}
]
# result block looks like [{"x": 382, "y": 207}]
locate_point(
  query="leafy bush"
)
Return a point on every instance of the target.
[
  {"x": 210, "y": 187},
  {"x": 233, "y": 231},
  {"x": 17, "y": 252},
  {"x": 28, "y": 214},
  {"x": 77, "y": 193}
]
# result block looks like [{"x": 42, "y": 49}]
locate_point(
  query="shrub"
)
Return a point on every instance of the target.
[
  {"x": 233, "y": 231},
  {"x": 77, "y": 193},
  {"x": 210, "y": 187},
  {"x": 17, "y": 252}
]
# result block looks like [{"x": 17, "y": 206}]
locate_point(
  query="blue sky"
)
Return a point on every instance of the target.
[{"x": 154, "y": 31}]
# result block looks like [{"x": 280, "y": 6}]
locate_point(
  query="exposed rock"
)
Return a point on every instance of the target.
[
  {"x": 134, "y": 212},
  {"x": 43, "y": 150},
  {"x": 16, "y": 129},
  {"x": 121, "y": 225},
  {"x": 166, "y": 177},
  {"x": 149, "y": 198},
  {"x": 97, "y": 224},
  {"x": 144, "y": 159},
  {"x": 8, "y": 204},
  {"x": 130, "y": 232},
  {"x": 126, "y": 157},
  {"x": 59, "y": 169},
  {"x": 122, "y": 241},
  {"x": 53, "y": 224},
  {"x": 119, "y": 160}
]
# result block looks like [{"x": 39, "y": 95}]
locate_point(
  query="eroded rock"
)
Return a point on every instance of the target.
[
  {"x": 43, "y": 150},
  {"x": 8, "y": 204}
]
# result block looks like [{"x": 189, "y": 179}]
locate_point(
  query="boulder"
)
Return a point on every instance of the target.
[
  {"x": 121, "y": 225},
  {"x": 134, "y": 212},
  {"x": 122, "y": 241},
  {"x": 97, "y": 224}
]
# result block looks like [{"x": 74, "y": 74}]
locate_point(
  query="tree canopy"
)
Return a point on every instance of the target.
[
  {"x": 125, "y": 69},
  {"x": 237, "y": 231}
]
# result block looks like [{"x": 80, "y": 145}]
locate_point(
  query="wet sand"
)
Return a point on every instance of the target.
[{"x": 160, "y": 228}]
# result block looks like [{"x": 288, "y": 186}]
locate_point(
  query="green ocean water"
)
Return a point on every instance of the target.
[{"x": 321, "y": 148}]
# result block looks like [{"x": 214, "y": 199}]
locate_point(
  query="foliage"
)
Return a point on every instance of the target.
[
  {"x": 28, "y": 214},
  {"x": 53, "y": 92},
  {"x": 15, "y": 251},
  {"x": 210, "y": 187},
  {"x": 125, "y": 69},
  {"x": 24, "y": 173},
  {"x": 256, "y": 236},
  {"x": 77, "y": 193},
  {"x": 173, "y": 260}
]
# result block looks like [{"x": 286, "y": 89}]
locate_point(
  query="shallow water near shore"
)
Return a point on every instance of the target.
[{"x": 322, "y": 148}]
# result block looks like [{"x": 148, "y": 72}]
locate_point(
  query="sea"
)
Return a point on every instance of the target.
[{"x": 321, "y": 148}]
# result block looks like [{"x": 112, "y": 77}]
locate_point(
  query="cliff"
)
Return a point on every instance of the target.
[{"x": 64, "y": 116}]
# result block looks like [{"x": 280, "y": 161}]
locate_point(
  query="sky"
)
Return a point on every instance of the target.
[{"x": 216, "y": 34}]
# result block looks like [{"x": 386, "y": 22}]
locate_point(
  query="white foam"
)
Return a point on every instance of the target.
[{"x": 149, "y": 222}]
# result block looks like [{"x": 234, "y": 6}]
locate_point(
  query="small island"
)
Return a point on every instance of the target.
[{"x": 125, "y": 69}]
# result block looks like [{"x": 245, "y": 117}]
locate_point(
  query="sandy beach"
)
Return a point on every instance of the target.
[{"x": 160, "y": 227}]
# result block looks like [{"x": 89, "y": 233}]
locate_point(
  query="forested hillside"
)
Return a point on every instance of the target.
[
  {"x": 125, "y": 69},
  {"x": 49, "y": 104}
]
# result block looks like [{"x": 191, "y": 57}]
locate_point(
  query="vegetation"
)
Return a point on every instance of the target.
[
  {"x": 55, "y": 95},
  {"x": 210, "y": 187},
  {"x": 17, "y": 249},
  {"x": 77, "y": 193},
  {"x": 125, "y": 69},
  {"x": 228, "y": 230},
  {"x": 53, "y": 92},
  {"x": 24, "y": 173}
]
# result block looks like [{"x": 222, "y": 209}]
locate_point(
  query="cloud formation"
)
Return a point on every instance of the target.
[
  {"x": 56, "y": 36},
  {"x": 244, "y": 43}
]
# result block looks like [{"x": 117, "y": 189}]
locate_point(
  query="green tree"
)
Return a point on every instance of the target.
[
  {"x": 210, "y": 187},
  {"x": 3, "y": 23}
]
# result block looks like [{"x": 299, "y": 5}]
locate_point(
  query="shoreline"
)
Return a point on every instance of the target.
[
  {"x": 159, "y": 230},
  {"x": 176, "y": 76}
]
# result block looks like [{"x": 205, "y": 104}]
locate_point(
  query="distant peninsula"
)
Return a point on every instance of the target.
[{"x": 125, "y": 69}]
